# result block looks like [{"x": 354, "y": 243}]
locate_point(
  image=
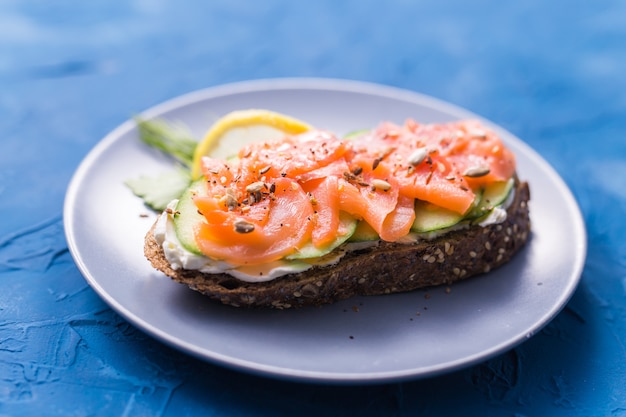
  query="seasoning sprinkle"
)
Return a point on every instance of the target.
[
  {"x": 264, "y": 170},
  {"x": 349, "y": 176},
  {"x": 229, "y": 201}
]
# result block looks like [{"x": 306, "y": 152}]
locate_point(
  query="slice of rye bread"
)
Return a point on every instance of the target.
[{"x": 383, "y": 269}]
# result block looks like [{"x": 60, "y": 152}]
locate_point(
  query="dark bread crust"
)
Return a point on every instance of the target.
[{"x": 383, "y": 269}]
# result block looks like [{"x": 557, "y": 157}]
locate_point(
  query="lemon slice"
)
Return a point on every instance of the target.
[{"x": 238, "y": 128}]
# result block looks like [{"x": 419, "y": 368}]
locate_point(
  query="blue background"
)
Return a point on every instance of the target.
[{"x": 551, "y": 72}]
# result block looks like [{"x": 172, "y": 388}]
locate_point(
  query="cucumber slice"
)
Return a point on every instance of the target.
[
  {"x": 188, "y": 217},
  {"x": 493, "y": 195},
  {"x": 355, "y": 134},
  {"x": 364, "y": 233},
  {"x": 310, "y": 251},
  {"x": 429, "y": 217}
]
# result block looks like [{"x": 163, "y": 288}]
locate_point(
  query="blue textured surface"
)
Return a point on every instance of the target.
[{"x": 70, "y": 71}]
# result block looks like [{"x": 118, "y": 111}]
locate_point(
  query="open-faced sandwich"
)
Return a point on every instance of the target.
[{"x": 309, "y": 218}]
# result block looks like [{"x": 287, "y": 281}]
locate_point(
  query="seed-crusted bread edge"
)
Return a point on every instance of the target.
[{"x": 383, "y": 269}]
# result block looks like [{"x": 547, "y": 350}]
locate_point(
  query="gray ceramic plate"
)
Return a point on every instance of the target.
[{"x": 362, "y": 340}]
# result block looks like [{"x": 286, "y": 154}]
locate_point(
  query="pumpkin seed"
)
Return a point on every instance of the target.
[
  {"x": 477, "y": 171},
  {"x": 418, "y": 156},
  {"x": 242, "y": 226},
  {"x": 381, "y": 185},
  {"x": 255, "y": 187}
]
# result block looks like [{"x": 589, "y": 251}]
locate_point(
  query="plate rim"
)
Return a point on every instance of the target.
[{"x": 336, "y": 85}]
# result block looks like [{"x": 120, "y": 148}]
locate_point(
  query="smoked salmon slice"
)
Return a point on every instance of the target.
[{"x": 279, "y": 195}]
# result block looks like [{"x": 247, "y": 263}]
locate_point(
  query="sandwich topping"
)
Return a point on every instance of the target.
[{"x": 284, "y": 205}]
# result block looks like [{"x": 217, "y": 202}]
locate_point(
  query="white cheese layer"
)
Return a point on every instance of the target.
[{"x": 498, "y": 214}]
